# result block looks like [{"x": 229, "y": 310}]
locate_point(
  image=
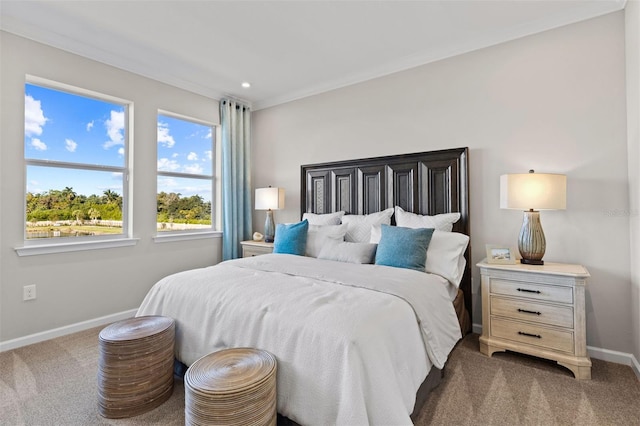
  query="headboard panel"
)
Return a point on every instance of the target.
[{"x": 430, "y": 183}]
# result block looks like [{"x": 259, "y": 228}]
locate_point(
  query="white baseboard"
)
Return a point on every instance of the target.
[
  {"x": 599, "y": 353},
  {"x": 615, "y": 356},
  {"x": 63, "y": 331}
]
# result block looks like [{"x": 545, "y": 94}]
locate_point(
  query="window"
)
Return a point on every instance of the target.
[
  {"x": 185, "y": 174},
  {"x": 75, "y": 148}
]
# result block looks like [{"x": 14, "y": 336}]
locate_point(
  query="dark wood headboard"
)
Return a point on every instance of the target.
[{"x": 424, "y": 183}]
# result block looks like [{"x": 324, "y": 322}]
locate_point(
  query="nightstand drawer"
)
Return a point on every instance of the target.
[
  {"x": 530, "y": 334},
  {"x": 250, "y": 251},
  {"x": 561, "y": 316},
  {"x": 255, "y": 248},
  {"x": 532, "y": 291}
]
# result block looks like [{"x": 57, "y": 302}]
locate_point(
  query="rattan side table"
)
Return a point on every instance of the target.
[
  {"x": 231, "y": 387},
  {"x": 135, "y": 366}
]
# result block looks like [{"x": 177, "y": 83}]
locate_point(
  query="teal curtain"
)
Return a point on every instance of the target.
[{"x": 235, "y": 120}]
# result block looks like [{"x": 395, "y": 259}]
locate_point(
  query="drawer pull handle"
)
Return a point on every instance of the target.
[
  {"x": 522, "y": 333},
  {"x": 529, "y": 312},
  {"x": 529, "y": 291}
]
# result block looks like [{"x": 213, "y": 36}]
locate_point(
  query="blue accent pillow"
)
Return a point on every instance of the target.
[
  {"x": 403, "y": 247},
  {"x": 291, "y": 238}
]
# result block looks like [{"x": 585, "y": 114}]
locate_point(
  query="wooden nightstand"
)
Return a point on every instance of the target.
[
  {"x": 255, "y": 248},
  {"x": 537, "y": 310}
]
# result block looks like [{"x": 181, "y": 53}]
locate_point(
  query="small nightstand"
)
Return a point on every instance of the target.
[
  {"x": 255, "y": 248},
  {"x": 536, "y": 310}
]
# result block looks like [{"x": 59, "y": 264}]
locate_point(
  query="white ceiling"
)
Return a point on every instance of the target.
[{"x": 286, "y": 49}]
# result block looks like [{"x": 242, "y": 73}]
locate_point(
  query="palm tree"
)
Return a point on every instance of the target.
[
  {"x": 68, "y": 193},
  {"x": 79, "y": 215},
  {"x": 111, "y": 196},
  {"x": 94, "y": 214}
]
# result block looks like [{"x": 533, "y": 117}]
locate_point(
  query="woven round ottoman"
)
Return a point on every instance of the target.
[
  {"x": 231, "y": 387},
  {"x": 135, "y": 366}
]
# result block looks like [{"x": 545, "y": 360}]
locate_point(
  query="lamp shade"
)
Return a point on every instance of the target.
[
  {"x": 537, "y": 191},
  {"x": 269, "y": 198}
]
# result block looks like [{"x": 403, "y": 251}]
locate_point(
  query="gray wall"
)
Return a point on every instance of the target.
[
  {"x": 80, "y": 286},
  {"x": 632, "y": 26},
  {"x": 554, "y": 102}
]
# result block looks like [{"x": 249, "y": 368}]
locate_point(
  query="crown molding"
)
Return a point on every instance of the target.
[{"x": 178, "y": 74}]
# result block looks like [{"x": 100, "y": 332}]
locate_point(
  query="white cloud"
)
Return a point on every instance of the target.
[
  {"x": 166, "y": 184},
  {"x": 166, "y": 165},
  {"x": 121, "y": 151},
  {"x": 70, "y": 145},
  {"x": 34, "y": 187},
  {"x": 193, "y": 168},
  {"x": 163, "y": 135},
  {"x": 34, "y": 117},
  {"x": 175, "y": 155},
  {"x": 208, "y": 135},
  {"x": 192, "y": 156},
  {"x": 115, "y": 129},
  {"x": 38, "y": 144},
  {"x": 209, "y": 155},
  {"x": 89, "y": 126}
]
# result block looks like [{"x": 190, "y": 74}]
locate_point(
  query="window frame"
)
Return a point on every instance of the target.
[
  {"x": 55, "y": 245},
  {"x": 214, "y": 178}
]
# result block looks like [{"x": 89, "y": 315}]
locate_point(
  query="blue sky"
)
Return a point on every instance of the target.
[{"x": 65, "y": 127}]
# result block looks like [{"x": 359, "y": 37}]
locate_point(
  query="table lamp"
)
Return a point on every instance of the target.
[
  {"x": 532, "y": 192},
  {"x": 269, "y": 199}
]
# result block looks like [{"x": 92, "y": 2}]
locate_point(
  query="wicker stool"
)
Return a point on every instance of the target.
[
  {"x": 135, "y": 368},
  {"x": 231, "y": 387}
]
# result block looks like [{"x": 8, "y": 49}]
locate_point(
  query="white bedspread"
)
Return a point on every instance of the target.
[{"x": 347, "y": 337}]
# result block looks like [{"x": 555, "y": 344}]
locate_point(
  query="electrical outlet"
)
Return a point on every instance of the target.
[{"x": 29, "y": 292}]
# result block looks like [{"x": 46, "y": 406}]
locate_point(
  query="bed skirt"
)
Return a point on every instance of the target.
[{"x": 462, "y": 313}]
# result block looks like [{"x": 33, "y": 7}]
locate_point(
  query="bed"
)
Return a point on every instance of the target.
[{"x": 355, "y": 343}]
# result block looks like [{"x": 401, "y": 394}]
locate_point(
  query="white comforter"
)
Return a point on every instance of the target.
[{"x": 353, "y": 342}]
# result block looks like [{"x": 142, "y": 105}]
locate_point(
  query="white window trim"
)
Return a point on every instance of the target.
[
  {"x": 39, "y": 249},
  {"x": 169, "y": 237},
  {"x": 49, "y": 246}
]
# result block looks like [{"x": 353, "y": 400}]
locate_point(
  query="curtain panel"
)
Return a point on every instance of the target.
[{"x": 235, "y": 121}]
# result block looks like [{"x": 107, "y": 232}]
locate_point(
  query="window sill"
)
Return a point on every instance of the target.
[
  {"x": 186, "y": 236},
  {"x": 39, "y": 249}
]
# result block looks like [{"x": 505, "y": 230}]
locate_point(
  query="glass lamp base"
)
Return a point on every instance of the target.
[{"x": 269, "y": 228}]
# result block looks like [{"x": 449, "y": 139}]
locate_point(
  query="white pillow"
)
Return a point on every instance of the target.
[
  {"x": 323, "y": 219},
  {"x": 445, "y": 254},
  {"x": 359, "y": 226},
  {"x": 349, "y": 252},
  {"x": 318, "y": 236},
  {"x": 441, "y": 222}
]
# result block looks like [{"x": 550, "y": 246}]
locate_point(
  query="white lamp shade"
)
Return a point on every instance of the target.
[
  {"x": 537, "y": 191},
  {"x": 269, "y": 198}
]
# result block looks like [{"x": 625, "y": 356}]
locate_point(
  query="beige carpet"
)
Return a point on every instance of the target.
[{"x": 54, "y": 383}]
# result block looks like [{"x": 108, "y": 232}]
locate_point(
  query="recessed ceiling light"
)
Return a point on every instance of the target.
[{"x": 246, "y": 84}]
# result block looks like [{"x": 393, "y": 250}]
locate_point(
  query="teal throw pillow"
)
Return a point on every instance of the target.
[
  {"x": 291, "y": 238},
  {"x": 403, "y": 247}
]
